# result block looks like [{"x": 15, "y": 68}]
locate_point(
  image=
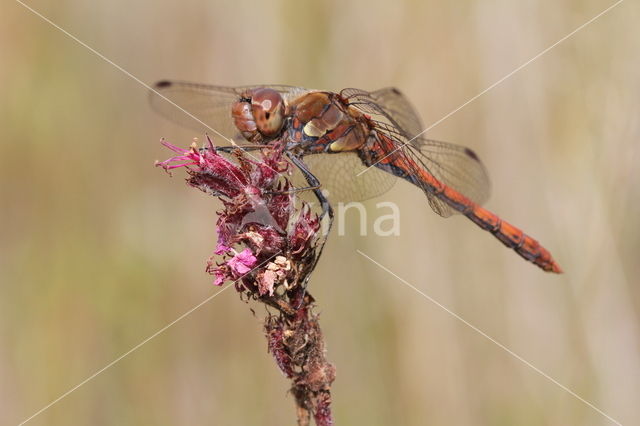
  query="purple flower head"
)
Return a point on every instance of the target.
[
  {"x": 209, "y": 171},
  {"x": 258, "y": 222},
  {"x": 268, "y": 248}
]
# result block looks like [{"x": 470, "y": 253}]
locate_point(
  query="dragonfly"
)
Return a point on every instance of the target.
[{"x": 354, "y": 142}]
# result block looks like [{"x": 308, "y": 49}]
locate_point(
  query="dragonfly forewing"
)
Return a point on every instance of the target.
[{"x": 203, "y": 107}]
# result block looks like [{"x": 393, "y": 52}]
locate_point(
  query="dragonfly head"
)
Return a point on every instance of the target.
[{"x": 259, "y": 114}]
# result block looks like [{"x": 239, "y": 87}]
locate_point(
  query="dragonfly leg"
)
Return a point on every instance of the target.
[
  {"x": 295, "y": 190},
  {"x": 327, "y": 210},
  {"x": 314, "y": 185},
  {"x": 229, "y": 149}
]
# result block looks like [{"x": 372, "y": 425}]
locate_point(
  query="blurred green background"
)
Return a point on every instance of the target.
[{"x": 99, "y": 249}]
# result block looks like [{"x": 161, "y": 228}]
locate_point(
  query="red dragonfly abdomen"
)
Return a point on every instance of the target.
[
  {"x": 513, "y": 237},
  {"x": 508, "y": 234}
]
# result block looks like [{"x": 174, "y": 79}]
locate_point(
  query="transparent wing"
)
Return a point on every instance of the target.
[
  {"x": 338, "y": 176},
  {"x": 203, "y": 107},
  {"x": 455, "y": 166},
  {"x": 389, "y": 102}
]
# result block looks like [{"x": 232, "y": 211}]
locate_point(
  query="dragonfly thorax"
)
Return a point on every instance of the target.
[{"x": 321, "y": 122}]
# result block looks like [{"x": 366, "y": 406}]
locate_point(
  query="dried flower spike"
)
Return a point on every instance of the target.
[{"x": 268, "y": 248}]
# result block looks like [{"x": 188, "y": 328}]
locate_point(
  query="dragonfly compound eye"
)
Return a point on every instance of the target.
[{"x": 267, "y": 107}]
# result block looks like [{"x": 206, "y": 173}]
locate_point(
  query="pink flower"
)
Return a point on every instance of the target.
[
  {"x": 209, "y": 171},
  {"x": 221, "y": 248},
  {"x": 242, "y": 262},
  {"x": 220, "y": 276}
]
